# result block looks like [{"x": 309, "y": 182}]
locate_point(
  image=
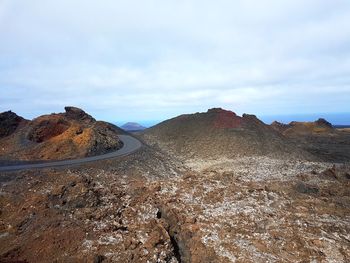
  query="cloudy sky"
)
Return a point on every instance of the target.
[{"x": 151, "y": 60}]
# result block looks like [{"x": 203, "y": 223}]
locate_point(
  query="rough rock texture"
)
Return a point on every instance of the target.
[
  {"x": 217, "y": 133},
  {"x": 319, "y": 138},
  {"x": 225, "y": 119},
  {"x": 280, "y": 127},
  {"x": 102, "y": 211},
  {"x": 66, "y": 135},
  {"x": 295, "y": 128},
  {"x": 253, "y": 209},
  {"x": 77, "y": 114},
  {"x": 9, "y": 122},
  {"x": 246, "y": 219}
]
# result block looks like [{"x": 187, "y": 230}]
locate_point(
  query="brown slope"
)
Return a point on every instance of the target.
[
  {"x": 295, "y": 128},
  {"x": 319, "y": 138},
  {"x": 220, "y": 133},
  {"x": 68, "y": 135}
]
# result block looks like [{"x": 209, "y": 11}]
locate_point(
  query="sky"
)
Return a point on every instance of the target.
[{"x": 152, "y": 60}]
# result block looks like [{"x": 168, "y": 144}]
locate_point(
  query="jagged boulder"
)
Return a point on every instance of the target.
[
  {"x": 77, "y": 114},
  {"x": 9, "y": 122}
]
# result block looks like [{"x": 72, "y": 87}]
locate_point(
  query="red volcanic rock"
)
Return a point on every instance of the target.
[
  {"x": 218, "y": 133},
  {"x": 225, "y": 119},
  {"x": 47, "y": 129},
  {"x": 73, "y": 134}
]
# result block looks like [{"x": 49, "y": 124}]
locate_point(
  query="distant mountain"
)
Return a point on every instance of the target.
[
  {"x": 132, "y": 126},
  {"x": 72, "y": 134},
  {"x": 219, "y": 133}
]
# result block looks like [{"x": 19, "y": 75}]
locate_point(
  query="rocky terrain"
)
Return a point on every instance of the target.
[
  {"x": 162, "y": 204},
  {"x": 141, "y": 209},
  {"x": 104, "y": 211},
  {"x": 66, "y": 135}
]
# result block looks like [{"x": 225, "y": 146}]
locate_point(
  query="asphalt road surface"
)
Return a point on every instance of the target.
[{"x": 131, "y": 145}]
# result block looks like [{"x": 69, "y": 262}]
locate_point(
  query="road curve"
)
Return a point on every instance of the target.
[{"x": 131, "y": 145}]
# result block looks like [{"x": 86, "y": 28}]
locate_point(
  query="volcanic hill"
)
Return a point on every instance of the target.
[
  {"x": 319, "y": 138},
  {"x": 295, "y": 128},
  {"x": 219, "y": 133},
  {"x": 68, "y": 135},
  {"x": 132, "y": 126}
]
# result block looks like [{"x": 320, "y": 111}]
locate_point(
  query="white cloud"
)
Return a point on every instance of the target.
[{"x": 156, "y": 59}]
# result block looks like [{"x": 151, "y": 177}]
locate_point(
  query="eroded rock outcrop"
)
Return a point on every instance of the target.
[
  {"x": 72, "y": 134},
  {"x": 9, "y": 122},
  {"x": 75, "y": 113}
]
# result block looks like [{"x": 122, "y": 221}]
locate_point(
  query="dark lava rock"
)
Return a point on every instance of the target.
[
  {"x": 9, "y": 122},
  {"x": 99, "y": 259},
  {"x": 330, "y": 173},
  {"x": 323, "y": 123},
  {"x": 105, "y": 138},
  {"x": 306, "y": 189},
  {"x": 77, "y": 114},
  {"x": 215, "y": 110}
]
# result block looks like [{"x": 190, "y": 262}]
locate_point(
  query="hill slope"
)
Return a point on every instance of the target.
[
  {"x": 319, "y": 138},
  {"x": 294, "y": 128},
  {"x": 219, "y": 133},
  {"x": 72, "y": 134}
]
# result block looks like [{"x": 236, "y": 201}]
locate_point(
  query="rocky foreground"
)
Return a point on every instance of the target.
[{"x": 145, "y": 210}]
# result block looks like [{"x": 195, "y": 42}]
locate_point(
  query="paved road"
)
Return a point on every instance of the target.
[{"x": 130, "y": 145}]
